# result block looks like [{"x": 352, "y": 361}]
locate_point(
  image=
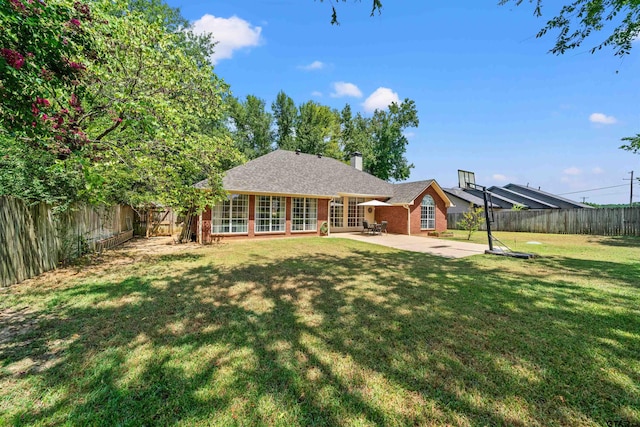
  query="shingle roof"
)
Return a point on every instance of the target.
[
  {"x": 522, "y": 199},
  {"x": 406, "y": 192},
  {"x": 286, "y": 172},
  {"x": 467, "y": 197},
  {"x": 547, "y": 197}
]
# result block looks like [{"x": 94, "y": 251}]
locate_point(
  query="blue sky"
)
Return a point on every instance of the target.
[{"x": 490, "y": 98}]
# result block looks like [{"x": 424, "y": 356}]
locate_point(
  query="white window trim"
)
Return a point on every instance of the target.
[
  {"x": 357, "y": 210},
  {"x": 230, "y": 218},
  {"x": 434, "y": 212},
  {"x": 255, "y": 217},
  {"x": 335, "y": 209},
  {"x": 304, "y": 215}
]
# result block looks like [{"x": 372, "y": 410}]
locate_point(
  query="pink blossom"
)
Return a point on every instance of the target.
[
  {"x": 47, "y": 75},
  {"x": 83, "y": 9},
  {"x": 77, "y": 65},
  {"x": 42, "y": 101},
  {"x": 75, "y": 22},
  {"x": 13, "y": 58},
  {"x": 17, "y": 5}
]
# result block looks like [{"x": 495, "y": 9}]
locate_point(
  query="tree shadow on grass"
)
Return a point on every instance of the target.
[
  {"x": 369, "y": 336},
  {"x": 620, "y": 241},
  {"x": 624, "y": 273}
]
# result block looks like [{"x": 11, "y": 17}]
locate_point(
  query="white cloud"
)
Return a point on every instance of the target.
[
  {"x": 597, "y": 170},
  {"x": 572, "y": 171},
  {"x": 602, "y": 119},
  {"x": 499, "y": 177},
  {"x": 380, "y": 99},
  {"x": 409, "y": 135},
  {"x": 315, "y": 65},
  {"x": 231, "y": 34},
  {"x": 345, "y": 89},
  {"x": 316, "y": 94}
]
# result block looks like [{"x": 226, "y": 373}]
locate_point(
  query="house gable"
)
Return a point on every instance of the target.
[{"x": 406, "y": 193}]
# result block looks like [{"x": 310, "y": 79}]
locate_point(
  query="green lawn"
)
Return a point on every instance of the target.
[{"x": 313, "y": 331}]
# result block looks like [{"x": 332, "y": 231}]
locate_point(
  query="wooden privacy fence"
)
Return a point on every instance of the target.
[
  {"x": 33, "y": 239},
  {"x": 602, "y": 222}
]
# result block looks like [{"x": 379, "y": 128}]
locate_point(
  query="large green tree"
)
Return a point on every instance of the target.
[
  {"x": 317, "y": 129},
  {"x": 155, "y": 113},
  {"x": 252, "y": 126},
  {"x": 285, "y": 113},
  {"x": 356, "y": 136},
  {"x": 389, "y": 142},
  {"x": 141, "y": 119}
]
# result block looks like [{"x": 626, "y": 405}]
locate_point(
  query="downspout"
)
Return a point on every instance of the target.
[
  {"x": 329, "y": 217},
  {"x": 406, "y": 206}
]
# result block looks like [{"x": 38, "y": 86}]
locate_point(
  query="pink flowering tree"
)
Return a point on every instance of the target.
[
  {"x": 107, "y": 104},
  {"x": 41, "y": 46}
]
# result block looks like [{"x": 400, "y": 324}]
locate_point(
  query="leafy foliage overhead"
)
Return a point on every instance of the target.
[
  {"x": 580, "y": 19},
  {"x": 376, "y": 6},
  {"x": 576, "y": 22}
]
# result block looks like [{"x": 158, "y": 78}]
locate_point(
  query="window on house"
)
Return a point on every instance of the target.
[
  {"x": 337, "y": 212},
  {"x": 427, "y": 213},
  {"x": 304, "y": 214},
  {"x": 231, "y": 215},
  {"x": 270, "y": 214},
  {"x": 356, "y": 213}
]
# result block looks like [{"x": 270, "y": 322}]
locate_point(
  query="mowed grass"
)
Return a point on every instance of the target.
[{"x": 313, "y": 331}]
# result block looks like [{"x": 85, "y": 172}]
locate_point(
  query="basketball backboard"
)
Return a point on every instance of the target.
[{"x": 465, "y": 178}]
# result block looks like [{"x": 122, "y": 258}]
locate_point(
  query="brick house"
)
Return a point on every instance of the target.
[{"x": 286, "y": 193}]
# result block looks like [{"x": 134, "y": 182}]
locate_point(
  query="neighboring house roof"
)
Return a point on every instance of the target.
[
  {"x": 497, "y": 199},
  {"x": 405, "y": 193},
  {"x": 561, "y": 202},
  {"x": 522, "y": 199},
  {"x": 288, "y": 172},
  {"x": 468, "y": 197},
  {"x": 514, "y": 194}
]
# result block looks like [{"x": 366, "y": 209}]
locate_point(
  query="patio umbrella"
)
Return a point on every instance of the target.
[{"x": 374, "y": 203}]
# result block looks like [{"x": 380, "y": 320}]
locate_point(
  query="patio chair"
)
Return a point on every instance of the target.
[
  {"x": 383, "y": 227},
  {"x": 366, "y": 227}
]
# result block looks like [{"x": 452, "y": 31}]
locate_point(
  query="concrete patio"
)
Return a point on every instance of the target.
[{"x": 430, "y": 245}]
